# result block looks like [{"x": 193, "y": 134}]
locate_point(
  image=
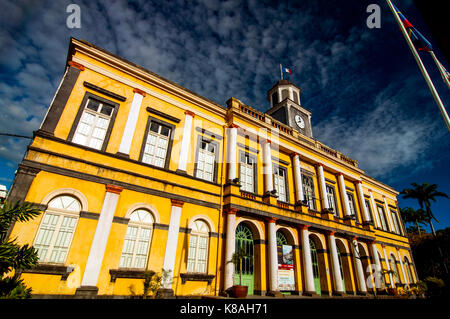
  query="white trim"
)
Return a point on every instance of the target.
[
  {"x": 322, "y": 188},
  {"x": 151, "y": 208},
  {"x": 171, "y": 245},
  {"x": 260, "y": 234},
  {"x": 66, "y": 191},
  {"x": 307, "y": 262},
  {"x": 145, "y": 89},
  {"x": 298, "y": 179},
  {"x": 98, "y": 246},
  {"x": 344, "y": 197},
  {"x": 337, "y": 276},
  {"x": 230, "y": 247},
  {"x": 130, "y": 125},
  {"x": 273, "y": 257},
  {"x": 205, "y": 218},
  {"x": 185, "y": 142},
  {"x": 359, "y": 268},
  {"x": 375, "y": 210},
  {"x": 291, "y": 233},
  {"x": 232, "y": 152}
]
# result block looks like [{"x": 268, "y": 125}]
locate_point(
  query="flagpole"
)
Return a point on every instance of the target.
[
  {"x": 281, "y": 72},
  {"x": 438, "y": 64},
  {"x": 421, "y": 67}
]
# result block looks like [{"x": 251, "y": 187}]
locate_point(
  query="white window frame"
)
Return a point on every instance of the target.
[
  {"x": 202, "y": 156},
  {"x": 193, "y": 262},
  {"x": 61, "y": 214},
  {"x": 351, "y": 204},
  {"x": 369, "y": 209},
  {"x": 395, "y": 221},
  {"x": 331, "y": 198},
  {"x": 247, "y": 180},
  {"x": 280, "y": 180},
  {"x": 158, "y": 136},
  {"x": 382, "y": 217},
  {"x": 97, "y": 114},
  {"x": 308, "y": 191},
  {"x": 140, "y": 227}
]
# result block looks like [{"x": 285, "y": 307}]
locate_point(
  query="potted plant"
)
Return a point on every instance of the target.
[{"x": 239, "y": 291}]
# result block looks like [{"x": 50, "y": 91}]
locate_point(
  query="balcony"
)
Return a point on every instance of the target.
[{"x": 289, "y": 131}]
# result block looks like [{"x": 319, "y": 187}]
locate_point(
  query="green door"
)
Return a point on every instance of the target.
[
  {"x": 244, "y": 238},
  {"x": 315, "y": 266},
  {"x": 340, "y": 267}
]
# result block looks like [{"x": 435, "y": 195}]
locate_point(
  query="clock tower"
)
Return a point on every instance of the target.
[{"x": 284, "y": 98}]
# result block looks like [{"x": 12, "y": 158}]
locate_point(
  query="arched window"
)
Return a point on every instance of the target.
[
  {"x": 393, "y": 265},
  {"x": 340, "y": 266},
  {"x": 281, "y": 239},
  {"x": 315, "y": 265},
  {"x": 198, "y": 247},
  {"x": 137, "y": 240},
  {"x": 408, "y": 270},
  {"x": 56, "y": 230}
]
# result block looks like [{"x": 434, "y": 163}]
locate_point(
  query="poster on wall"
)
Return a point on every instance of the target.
[{"x": 286, "y": 280}]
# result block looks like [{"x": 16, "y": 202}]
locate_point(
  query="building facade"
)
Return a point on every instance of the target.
[{"x": 135, "y": 173}]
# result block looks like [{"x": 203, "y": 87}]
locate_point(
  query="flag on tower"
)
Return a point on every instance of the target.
[{"x": 286, "y": 70}]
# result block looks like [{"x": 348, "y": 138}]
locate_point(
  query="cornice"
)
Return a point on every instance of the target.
[{"x": 144, "y": 75}]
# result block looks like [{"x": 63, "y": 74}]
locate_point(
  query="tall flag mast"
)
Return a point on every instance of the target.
[{"x": 413, "y": 34}]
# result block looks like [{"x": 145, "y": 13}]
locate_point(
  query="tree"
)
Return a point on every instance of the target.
[
  {"x": 416, "y": 217},
  {"x": 424, "y": 194},
  {"x": 237, "y": 258},
  {"x": 13, "y": 257}
]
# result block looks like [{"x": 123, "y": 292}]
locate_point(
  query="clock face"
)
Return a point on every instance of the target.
[{"x": 299, "y": 121}]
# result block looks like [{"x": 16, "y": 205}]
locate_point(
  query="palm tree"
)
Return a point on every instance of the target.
[
  {"x": 413, "y": 216},
  {"x": 14, "y": 257},
  {"x": 424, "y": 194}
]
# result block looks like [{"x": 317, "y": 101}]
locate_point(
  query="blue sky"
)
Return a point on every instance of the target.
[{"x": 368, "y": 97}]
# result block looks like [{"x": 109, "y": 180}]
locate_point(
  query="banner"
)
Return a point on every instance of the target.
[{"x": 286, "y": 278}]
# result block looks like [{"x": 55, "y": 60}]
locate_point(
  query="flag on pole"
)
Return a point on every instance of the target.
[
  {"x": 286, "y": 70},
  {"x": 417, "y": 38},
  {"x": 442, "y": 70},
  {"x": 421, "y": 42}
]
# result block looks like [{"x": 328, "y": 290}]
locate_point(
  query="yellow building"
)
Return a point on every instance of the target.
[{"x": 133, "y": 172}]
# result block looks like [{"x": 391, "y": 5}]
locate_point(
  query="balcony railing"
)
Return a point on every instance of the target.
[{"x": 289, "y": 131}]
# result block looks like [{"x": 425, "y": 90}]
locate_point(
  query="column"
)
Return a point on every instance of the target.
[
  {"x": 298, "y": 179},
  {"x": 359, "y": 268},
  {"x": 172, "y": 242},
  {"x": 232, "y": 152},
  {"x": 374, "y": 209},
  {"x": 291, "y": 93},
  {"x": 307, "y": 262},
  {"x": 98, "y": 246},
  {"x": 362, "y": 204},
  {"x": 267, "y": 164},
  {"x": 377, "y": 262},
  {"x": 273, "y": 257},
  {"x": 388, "y": 266},
  {"x": 402, "y": 268},
  {"x": 130, "y": 126},
  {"x": 322, "y": 187},
  {"x": 335, "y": 260},
  {"x": 186, "y": 141},
  {"x": 388, "y": 214},
  {"x": 344, "y": 194},
  {"x": 230, "y": 247}
]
